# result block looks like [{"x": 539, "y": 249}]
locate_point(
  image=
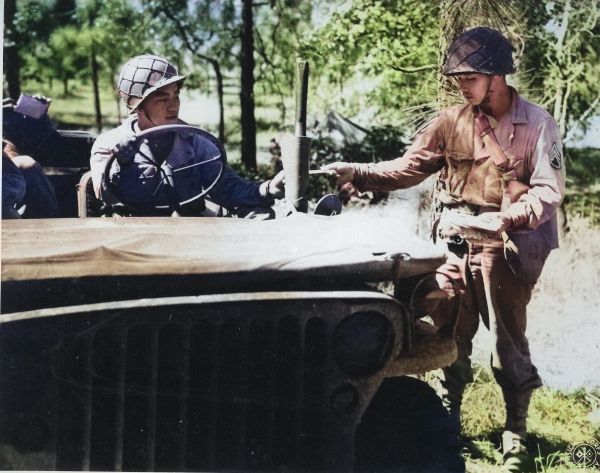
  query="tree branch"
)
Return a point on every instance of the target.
[
  {"x": 412, "y": 70},
  {"x": 592, "y": 108}
]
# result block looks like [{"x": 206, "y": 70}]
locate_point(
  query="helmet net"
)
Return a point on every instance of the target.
[
  {"x": 142, "y": 75},
  {"x": 482, "y": 50}
]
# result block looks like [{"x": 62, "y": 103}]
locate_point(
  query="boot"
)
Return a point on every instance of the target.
[
  {"x": 514, "y": 452},
  {"x": 453, "y": 388},
  {"x": 453, "y": 384},
  {"x": 514, "y": 449}
]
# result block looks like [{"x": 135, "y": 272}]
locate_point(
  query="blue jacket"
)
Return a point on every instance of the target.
[{"x": 195, "y": 163}]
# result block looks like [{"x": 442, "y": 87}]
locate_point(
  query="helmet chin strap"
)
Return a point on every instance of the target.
[
  {"x": 486, "y": 97},
  {"x": 141, "y": 110}
]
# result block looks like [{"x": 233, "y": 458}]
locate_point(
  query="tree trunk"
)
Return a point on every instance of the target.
[
  {"x": 562, "y": 91},
  {"x": 12, "y": 63},
  {"x": 94, "y": 65},
  {"x": 247, "y": 87},
  {"x": 219, "y": 77}
]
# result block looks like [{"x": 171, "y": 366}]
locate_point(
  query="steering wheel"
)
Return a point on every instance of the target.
[{"x": 165, "y": 182}]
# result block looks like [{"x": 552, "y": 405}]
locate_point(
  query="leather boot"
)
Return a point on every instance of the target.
[
  {"x": 514, "y": 449},
  {"x": 514, "y": 453}
]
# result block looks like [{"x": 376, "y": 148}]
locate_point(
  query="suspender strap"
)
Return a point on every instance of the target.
[{"x": 491, "y": 143}]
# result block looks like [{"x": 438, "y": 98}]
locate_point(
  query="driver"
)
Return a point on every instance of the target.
[{"x": 150, "y": 86}]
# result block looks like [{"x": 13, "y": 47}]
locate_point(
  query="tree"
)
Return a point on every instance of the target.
[
  {"x": 278, "y": 38},
  {"x": 223, "y": 35},
  {"x": 568, "y": 71},
  {"x": 101, "y": 23},
  {"x": 11, "y": 60},
  {"x": 247, "y": 63},
  {"x": 379, "y": 55},
  {"x": 206, "y": 31},
  {"x": 26, "y": 24}
]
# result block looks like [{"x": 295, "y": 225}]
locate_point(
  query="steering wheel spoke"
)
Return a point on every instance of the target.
[{"x": 167, "y": 184}]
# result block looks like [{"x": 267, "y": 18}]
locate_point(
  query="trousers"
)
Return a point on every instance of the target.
[{"x": 489, "y": 291}]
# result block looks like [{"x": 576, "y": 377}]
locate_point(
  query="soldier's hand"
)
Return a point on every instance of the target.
[
  {"x": 345, "y": 171},
  {"x": 491, "y": 223},
  {"x": 483, "y": 228}
]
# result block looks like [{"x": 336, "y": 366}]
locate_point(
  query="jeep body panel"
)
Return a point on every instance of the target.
[{"x": 205, "y": 344}]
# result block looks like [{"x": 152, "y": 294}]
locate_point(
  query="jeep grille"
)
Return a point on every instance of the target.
[{"x": 173, "y": 387}]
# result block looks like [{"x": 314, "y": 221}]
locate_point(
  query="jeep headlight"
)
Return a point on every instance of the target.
[{"x": 362, "y": 342}]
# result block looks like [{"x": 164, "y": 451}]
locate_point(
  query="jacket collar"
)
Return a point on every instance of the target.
[{"x": 517, "y": 109}]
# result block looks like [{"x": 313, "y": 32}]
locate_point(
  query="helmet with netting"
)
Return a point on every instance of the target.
[
  {"x": 479, "y": 50},
  {"x": 142, "y": 75}
]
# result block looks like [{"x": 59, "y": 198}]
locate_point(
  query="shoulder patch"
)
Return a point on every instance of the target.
[{"x": 555, "y": 157}]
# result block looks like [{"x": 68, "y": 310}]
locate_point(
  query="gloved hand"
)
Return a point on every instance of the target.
[{"x": 126, "y": 150}]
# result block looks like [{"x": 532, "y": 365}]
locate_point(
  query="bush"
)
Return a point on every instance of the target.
[
  {"x": 381, "y": 144},
  {"x": 583, "y": 166}
]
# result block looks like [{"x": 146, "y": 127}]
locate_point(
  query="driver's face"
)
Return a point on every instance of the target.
[{"x": 161, "y": 107}]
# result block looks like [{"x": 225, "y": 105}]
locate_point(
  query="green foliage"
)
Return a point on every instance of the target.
[
  {"x": 583, "y": 184},
  {"x": 64, "y": 54},
  {"x": 262, "y": 172},
  {"x": 372, "y": 47},
  {"x": 34, "y": 22},
  {"x": 205, "y": 28},
  {"x": 562, "y": 59},
  {"x": 584, "y": 204},
  {"x": 382, "y": 143},
  {"x": 277, "y": 43},
  {"x": 583, "y": 166}
]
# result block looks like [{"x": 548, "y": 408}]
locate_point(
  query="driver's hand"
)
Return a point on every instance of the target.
[
  {"x": 126, "y": 150},
  {"x": 276, "y": 186},
  {"x": 345, "y": 171}
]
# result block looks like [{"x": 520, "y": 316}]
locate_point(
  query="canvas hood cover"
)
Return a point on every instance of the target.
[{"x": 351, "y": 244}]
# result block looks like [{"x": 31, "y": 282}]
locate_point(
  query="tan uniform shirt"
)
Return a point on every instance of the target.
[{"x": 529, "y": 137}]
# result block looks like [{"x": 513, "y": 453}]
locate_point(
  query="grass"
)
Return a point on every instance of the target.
[{"x": 557, "y": 421}]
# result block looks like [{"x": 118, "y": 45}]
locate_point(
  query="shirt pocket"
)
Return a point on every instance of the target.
[
  {"x": 492, "y": 182},
  {"x": 459, "y": 167}
]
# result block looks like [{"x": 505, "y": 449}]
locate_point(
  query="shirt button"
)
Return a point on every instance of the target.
[{"x": 473, "y": 181}]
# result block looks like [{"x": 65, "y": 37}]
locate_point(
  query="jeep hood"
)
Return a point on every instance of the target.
[{"x": 349, "y": 245}]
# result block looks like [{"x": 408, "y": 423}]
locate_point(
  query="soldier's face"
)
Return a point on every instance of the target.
[
  {"x": 475, "y": 88},
  {"x": 160, "y": 108}
]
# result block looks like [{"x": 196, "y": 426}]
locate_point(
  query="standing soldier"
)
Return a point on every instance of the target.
[{"x": 501, "y": 181}]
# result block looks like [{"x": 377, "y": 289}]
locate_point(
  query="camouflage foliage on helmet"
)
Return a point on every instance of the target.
[{"x": 480, "y": 50}]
